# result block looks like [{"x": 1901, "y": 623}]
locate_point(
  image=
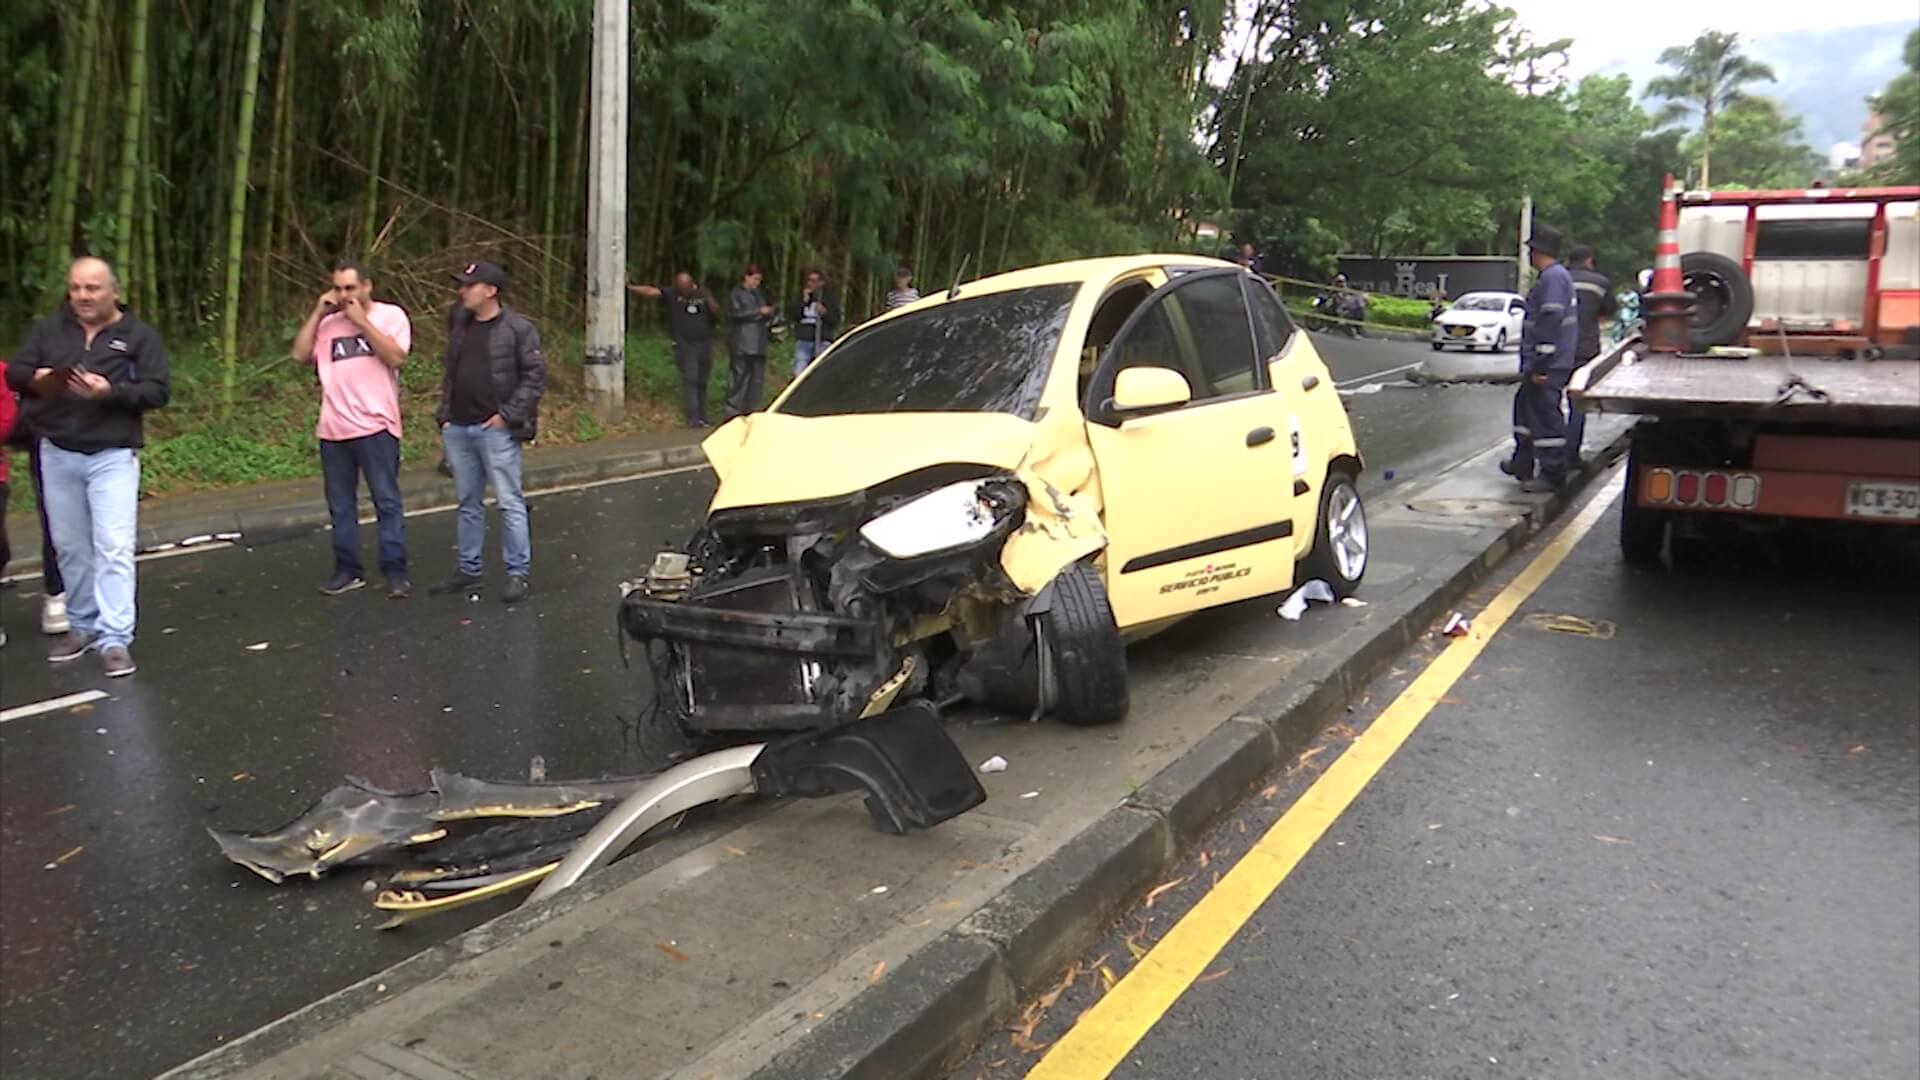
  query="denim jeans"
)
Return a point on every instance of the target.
[
  {"x": 481, "y": 455},
  {"x": 342, "y": 463},
  {"x": 93, "y": 503},
  {"x": 804, "y": 350},
  {"x": 51, "y": 582}
]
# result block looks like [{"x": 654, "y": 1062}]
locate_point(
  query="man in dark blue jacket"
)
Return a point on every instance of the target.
[{"x": 1549, "y": 341}]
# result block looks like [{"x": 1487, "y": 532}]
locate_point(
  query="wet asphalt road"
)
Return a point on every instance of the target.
[
  {"x": 1688, "y": 850},
  {"x": 141, "y": 947}
]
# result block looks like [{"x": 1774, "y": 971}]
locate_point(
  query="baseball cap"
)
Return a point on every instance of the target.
[{"x": 483, "y": 273}]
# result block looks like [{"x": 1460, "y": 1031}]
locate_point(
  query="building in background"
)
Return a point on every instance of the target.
[{"x": 1876, "y": 145}]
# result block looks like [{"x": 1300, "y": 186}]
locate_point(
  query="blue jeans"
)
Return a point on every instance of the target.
[
  {"x": 481, "y": 455},
  {"x": 804, "y": 350},
  {"x": 342, "y": 463},
  {"x": 93, "y": 503}
]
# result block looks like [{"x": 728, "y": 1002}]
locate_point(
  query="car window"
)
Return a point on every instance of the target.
[
  {"x": 1480, "y": 303},
  {"x": 1199, "y": 329},
  {"x": 1270, "y": 319},
  {"x": 1516, "y": 305},
  {"x": 990, "y": 353}
]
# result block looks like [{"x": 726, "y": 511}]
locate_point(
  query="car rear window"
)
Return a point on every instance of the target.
[{"x": 986, "y": 354}]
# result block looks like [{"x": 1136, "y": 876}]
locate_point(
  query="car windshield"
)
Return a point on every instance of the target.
[
  {"x": 987, "y": 354},
  {"x": 1481, "y": 303}
]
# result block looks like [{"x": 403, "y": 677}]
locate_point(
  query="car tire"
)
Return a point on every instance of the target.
[
  {"x": 1723, "y": 298},
  {"x": 1500, "y": 343},
  {"x": 1437, "y": 346},
  {"x": 1337, "y": 548},
  {"x": 1643, "y": 530},
  {"x": 1089, "y": 660}
]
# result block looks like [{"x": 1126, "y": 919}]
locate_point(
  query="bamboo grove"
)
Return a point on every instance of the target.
[{"x": 223, "y": 153}]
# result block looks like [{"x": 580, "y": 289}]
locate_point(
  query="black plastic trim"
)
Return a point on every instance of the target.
[{"x": 1277, "y": 531}]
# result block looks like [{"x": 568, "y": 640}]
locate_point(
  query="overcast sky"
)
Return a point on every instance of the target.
[{"x": 1604, "y": 32}]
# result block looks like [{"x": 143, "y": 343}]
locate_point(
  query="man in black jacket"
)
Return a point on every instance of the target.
[
  {"x": 689, "y": 311},
  {"x": 87, "y": 375},
  {"x": 815, "y": 317},
  {"x": 1594, "y": 293},
  {"x": 494, "y": 374}
]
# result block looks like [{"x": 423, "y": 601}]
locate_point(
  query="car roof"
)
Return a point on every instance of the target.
[
  {"x": 1491, "y": 292},
  {"x": 1079, "y": 270}
]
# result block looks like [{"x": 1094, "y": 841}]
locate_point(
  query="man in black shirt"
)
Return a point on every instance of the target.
[
  {"x": 489, "y": 405},
  {"x": 87, "y": 375},
  {"x": 690, "y": 312}
]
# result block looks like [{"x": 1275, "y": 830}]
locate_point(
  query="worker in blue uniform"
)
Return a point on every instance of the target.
[{"x": 1549, "y": 344}]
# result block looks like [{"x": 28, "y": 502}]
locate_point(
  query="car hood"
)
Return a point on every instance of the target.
[
  {"x": 1471, "y": 318},
  {"x": 769, "y": 458}
]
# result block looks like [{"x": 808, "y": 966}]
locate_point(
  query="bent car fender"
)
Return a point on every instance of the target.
[{"x": 1063, "y": 519}]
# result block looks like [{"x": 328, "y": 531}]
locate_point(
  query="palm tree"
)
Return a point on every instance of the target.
[{"x": 1709, "y": 75}]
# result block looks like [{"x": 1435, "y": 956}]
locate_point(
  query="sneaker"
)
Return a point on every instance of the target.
[
  {"x": 53, "y": 615},
  {"x": 515, "y": 591},
  {"x": 458, "y": 583},
  {"x": 1542, "y": 485},
  {"x": 117, "y": 660},
  {"x": 72, "y": 645},
  {"x": 1507, "y": 466},
  {"x": 343, "y": 581},
  {"x": 399, "y": 588}
]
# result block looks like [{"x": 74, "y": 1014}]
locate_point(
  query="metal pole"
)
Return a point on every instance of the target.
[{"x": 607, "y": 214}]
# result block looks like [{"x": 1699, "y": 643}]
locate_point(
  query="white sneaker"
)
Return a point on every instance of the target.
[
  {"x": 53, "y": 615},
  {"x": 3, "y": 637}
]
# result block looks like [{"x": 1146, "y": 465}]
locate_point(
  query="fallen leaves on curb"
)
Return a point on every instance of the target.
[
  {"x": 1270, "y": 791},
  {"x": 1212, "y": 975},
  {"x": 879, "y": 969},
  {"x": 1157, "y": 890},
  {"x": 1306, "y": 758},
  {"x": 674, "y": 954}
]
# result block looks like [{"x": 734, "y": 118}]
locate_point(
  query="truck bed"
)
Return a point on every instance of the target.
[{"x": 1759, "y": 388}]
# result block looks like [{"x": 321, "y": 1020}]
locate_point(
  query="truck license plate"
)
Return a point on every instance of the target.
[{"x": 1876, "y": 499}]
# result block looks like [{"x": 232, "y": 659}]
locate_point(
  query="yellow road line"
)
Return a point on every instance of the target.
[{"x": 1106, "y": 1033}]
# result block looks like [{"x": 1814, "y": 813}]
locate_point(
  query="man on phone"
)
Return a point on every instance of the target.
[
  {"x": 815, "y": 316},
  {"x": 357, "y": 345},
  {"x": 87, "y": 374},
  {"x": 689, "y": 311}
]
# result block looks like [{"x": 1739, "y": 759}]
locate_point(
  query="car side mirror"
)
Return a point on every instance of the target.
[{"x": 1146, "y": 389}]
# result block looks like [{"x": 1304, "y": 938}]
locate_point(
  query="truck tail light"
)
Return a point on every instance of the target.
[
  {"x": 1659, "y": 486},
  {"x": 1716, "y": 489},
  {"x": 1689, "y": 489}
]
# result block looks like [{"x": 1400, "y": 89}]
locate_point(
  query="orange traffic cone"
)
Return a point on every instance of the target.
[{"x": 1669, "y": 307}]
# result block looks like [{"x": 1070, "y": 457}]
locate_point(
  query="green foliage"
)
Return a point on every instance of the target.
[
  {"x": 1899, "y": 109},
  {"x": 1755, "y": 145},
  {"x": 1709, "y": 76}
]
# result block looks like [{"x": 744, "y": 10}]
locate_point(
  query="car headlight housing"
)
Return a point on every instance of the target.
[{"x": 944, "y": 519}]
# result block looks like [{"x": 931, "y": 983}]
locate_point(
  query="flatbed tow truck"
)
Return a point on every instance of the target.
[{"x": 1779, "y": 374}]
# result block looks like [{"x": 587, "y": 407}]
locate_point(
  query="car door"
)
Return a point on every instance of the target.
[{"x": 1198, "y": 498}]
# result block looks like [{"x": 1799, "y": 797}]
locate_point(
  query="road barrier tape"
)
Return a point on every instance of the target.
[{"x": 1324, "y": 287}]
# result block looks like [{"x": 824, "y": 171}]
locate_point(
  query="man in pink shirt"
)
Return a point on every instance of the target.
[{"x": 358, "y": 344}]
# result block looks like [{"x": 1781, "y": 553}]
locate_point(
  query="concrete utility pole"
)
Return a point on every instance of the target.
[
  {"x": 1526, "y": 249},
  {"x": 607, "y": 214}
]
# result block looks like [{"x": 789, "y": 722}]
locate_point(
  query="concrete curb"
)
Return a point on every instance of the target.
[
  {"x": 972, "y": 979},
  {"x": 421, "y": 490}
]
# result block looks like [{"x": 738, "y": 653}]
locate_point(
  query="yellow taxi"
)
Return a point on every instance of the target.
[{"x": 984, "y": 495}]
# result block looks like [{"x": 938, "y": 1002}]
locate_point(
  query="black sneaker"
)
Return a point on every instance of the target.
[
  {"x": 458, "y": 583},
  {"x": 398, "y": 587},
  {"x": 343, "y": 581},
  {"x": 1543, "y": 485},
  {"x": 1506, "y": 466},
  {"x": 515, "y": 591}
]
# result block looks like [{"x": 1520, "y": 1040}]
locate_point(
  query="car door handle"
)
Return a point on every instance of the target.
[
  {"x": 1259, "y": 436},
  {"x": 1309, "y": 382}
]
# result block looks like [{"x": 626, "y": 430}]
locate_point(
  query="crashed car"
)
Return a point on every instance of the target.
[{"x": 985, "y": 496}]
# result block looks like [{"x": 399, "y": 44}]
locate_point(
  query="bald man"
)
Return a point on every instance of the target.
[{"x": 87, "y": 375}]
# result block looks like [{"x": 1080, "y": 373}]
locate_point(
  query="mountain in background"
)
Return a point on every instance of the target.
[{"x": 1825, "y": 76}]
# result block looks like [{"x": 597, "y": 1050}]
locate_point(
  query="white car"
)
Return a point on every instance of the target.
[{"x": 1489, "y": 319}]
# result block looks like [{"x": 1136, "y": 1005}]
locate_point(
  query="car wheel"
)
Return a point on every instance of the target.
[
  {"x": 1500, "y": 344},
  {"x": 1723, "y": 298},
  {"x": 1340, "y": 541},
  {"x": 1084, "y": 650},
  {"x": 1437, "y": 346}
]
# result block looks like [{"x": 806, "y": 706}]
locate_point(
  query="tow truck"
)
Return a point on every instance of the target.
[{"x": 1778, "y": 377}]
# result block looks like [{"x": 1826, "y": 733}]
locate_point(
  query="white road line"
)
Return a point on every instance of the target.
[
  {"x": 439, "y": 508},
  {"x": 21, "y": 712},
  {"x": 1376, "y": 376}
]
